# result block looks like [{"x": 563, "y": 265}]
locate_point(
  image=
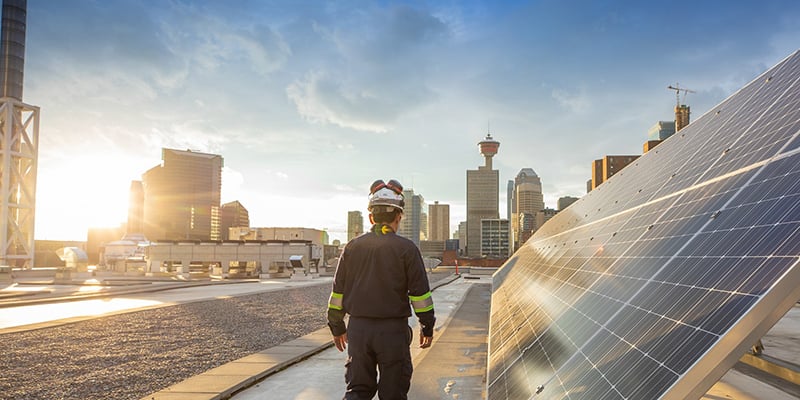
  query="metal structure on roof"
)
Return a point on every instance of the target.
[
  {"x": 19, "y": 144},
  {"x": 655, "y": 283}
]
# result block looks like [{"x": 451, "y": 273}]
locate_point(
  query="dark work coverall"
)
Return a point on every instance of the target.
[{"x": 378, "y": 274}]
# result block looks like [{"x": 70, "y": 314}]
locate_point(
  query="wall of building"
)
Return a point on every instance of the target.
[
  {"x": 482, "y": 203},
  {"x": 438, "y": 221},
  {"x": 182, "y": 196},
  {"x": 316, "y": 236}
]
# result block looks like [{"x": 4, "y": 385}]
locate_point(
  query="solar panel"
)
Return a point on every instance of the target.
[{"x": 654, "y": 284}]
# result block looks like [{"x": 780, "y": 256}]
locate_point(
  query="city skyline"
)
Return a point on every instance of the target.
[{"x": 308, "y": 105}]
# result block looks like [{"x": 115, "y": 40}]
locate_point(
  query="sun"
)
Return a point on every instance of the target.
[{"x": 76, "y": 194}]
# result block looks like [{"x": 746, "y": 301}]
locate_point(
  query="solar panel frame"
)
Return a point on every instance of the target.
[{"x": 693, "y": 247}]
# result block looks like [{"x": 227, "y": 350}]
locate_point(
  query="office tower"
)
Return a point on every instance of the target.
[
  {"x": 232, "y": 215},
  {"x": 564, "y": 202},
  {"x": 411, "y": 224},
  {"x": 135, "y": 208},
  {"x": 509, "y": 198},
  {"x": 182, "y": 196},
  {"x": 438, "y": 221},
  {"x": 355, "y": 224},
  {"x": 19, "y": 153},
  {"x": 483, "y": 190},
  {"x": 494, "y": 238},
  {"x": 528, "y": 199}
]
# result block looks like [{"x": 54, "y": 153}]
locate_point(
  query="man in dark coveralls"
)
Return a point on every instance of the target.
[{"x": 378, "y": 275}]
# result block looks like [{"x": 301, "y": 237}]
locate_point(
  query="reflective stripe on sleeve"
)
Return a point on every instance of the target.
[
  {"x": 335, "y": 302},
  {"x": 422, "y": 303}
]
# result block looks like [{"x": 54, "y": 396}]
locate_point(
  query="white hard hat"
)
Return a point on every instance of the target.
[{"x": 386, "y": 197}]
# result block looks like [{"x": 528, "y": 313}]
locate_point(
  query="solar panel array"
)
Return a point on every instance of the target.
[{"x": 655, "y": 283}]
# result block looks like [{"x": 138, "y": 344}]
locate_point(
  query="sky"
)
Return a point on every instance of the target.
[{"x": 309, "y": 102}]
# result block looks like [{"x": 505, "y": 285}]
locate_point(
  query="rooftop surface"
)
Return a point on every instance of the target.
[{"x": 309, "y": 368}]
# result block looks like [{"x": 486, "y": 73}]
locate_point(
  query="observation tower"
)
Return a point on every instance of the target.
[{"x": 488, "y": 148}]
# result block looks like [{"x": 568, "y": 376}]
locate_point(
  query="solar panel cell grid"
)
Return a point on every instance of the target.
[{"x": 628, "y": 293}]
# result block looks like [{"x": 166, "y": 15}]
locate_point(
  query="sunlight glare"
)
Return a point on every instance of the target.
[{"x": 27, "y": 315}]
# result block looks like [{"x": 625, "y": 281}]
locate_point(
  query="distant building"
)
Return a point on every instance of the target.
[
  {"x": 606, "y": 167},
  {"x": 231, "y": 215},
  {"x": 527, "y": 225},
  {"x": 423, "y": 223},
  {"x": 483, "y": 187},
  {"x": 650, "y": 145},
  {"x": 543, "y": 216},
  {"x": 661, "y": 130},
  {"x": 413, "y": 218},
  {"x": 438, "y": 221},
  {"x": 682, "y": 113},
  {"x": 135, "y": 208},
  {"x": 355, "y": 224},
  {"x": 432, "y": 248},
  {"x": 528, "y": 198},
  {"x": 495, "y": 238},
  {"x": 462, "y": 237},
  {"x": 658, "y": 133},
  {"x": 315, "y": 236},
  {"x": 182, "y": 196},
  {"x": 451, "y": 245},
  {"x": 509, "y": 198},
  {"x": 564, "y": 202}
]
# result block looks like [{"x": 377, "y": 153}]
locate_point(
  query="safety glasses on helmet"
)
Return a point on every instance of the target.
[{"x": 392, "y": 185}]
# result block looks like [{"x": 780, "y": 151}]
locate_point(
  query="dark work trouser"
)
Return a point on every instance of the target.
[{"x": 383, "y": 343}]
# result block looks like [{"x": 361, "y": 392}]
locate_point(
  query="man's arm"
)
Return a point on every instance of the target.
[
  {"x": 419, "y": 294},
  {"x": 336, "y": 310}
]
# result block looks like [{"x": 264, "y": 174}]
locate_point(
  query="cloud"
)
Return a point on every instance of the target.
[
  {"x": 322, "y": 99},
  {"x": 187, "y": 135},
  {"x": 207, "y": 43},
  {"x": 575, "y": 103},
  {"x": 379, "y": 73}
]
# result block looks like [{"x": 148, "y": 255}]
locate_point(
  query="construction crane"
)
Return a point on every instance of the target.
[
  {"x": 678, "y": 91},
  {"x": 681, "y": 111}
]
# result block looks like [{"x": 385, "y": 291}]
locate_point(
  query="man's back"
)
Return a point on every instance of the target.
[{"x": 380, "y": 270}]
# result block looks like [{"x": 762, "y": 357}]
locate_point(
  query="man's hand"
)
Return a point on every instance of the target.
[
  {"x": 425, "y": 341},
  {"x": 341, "y": 341}
]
